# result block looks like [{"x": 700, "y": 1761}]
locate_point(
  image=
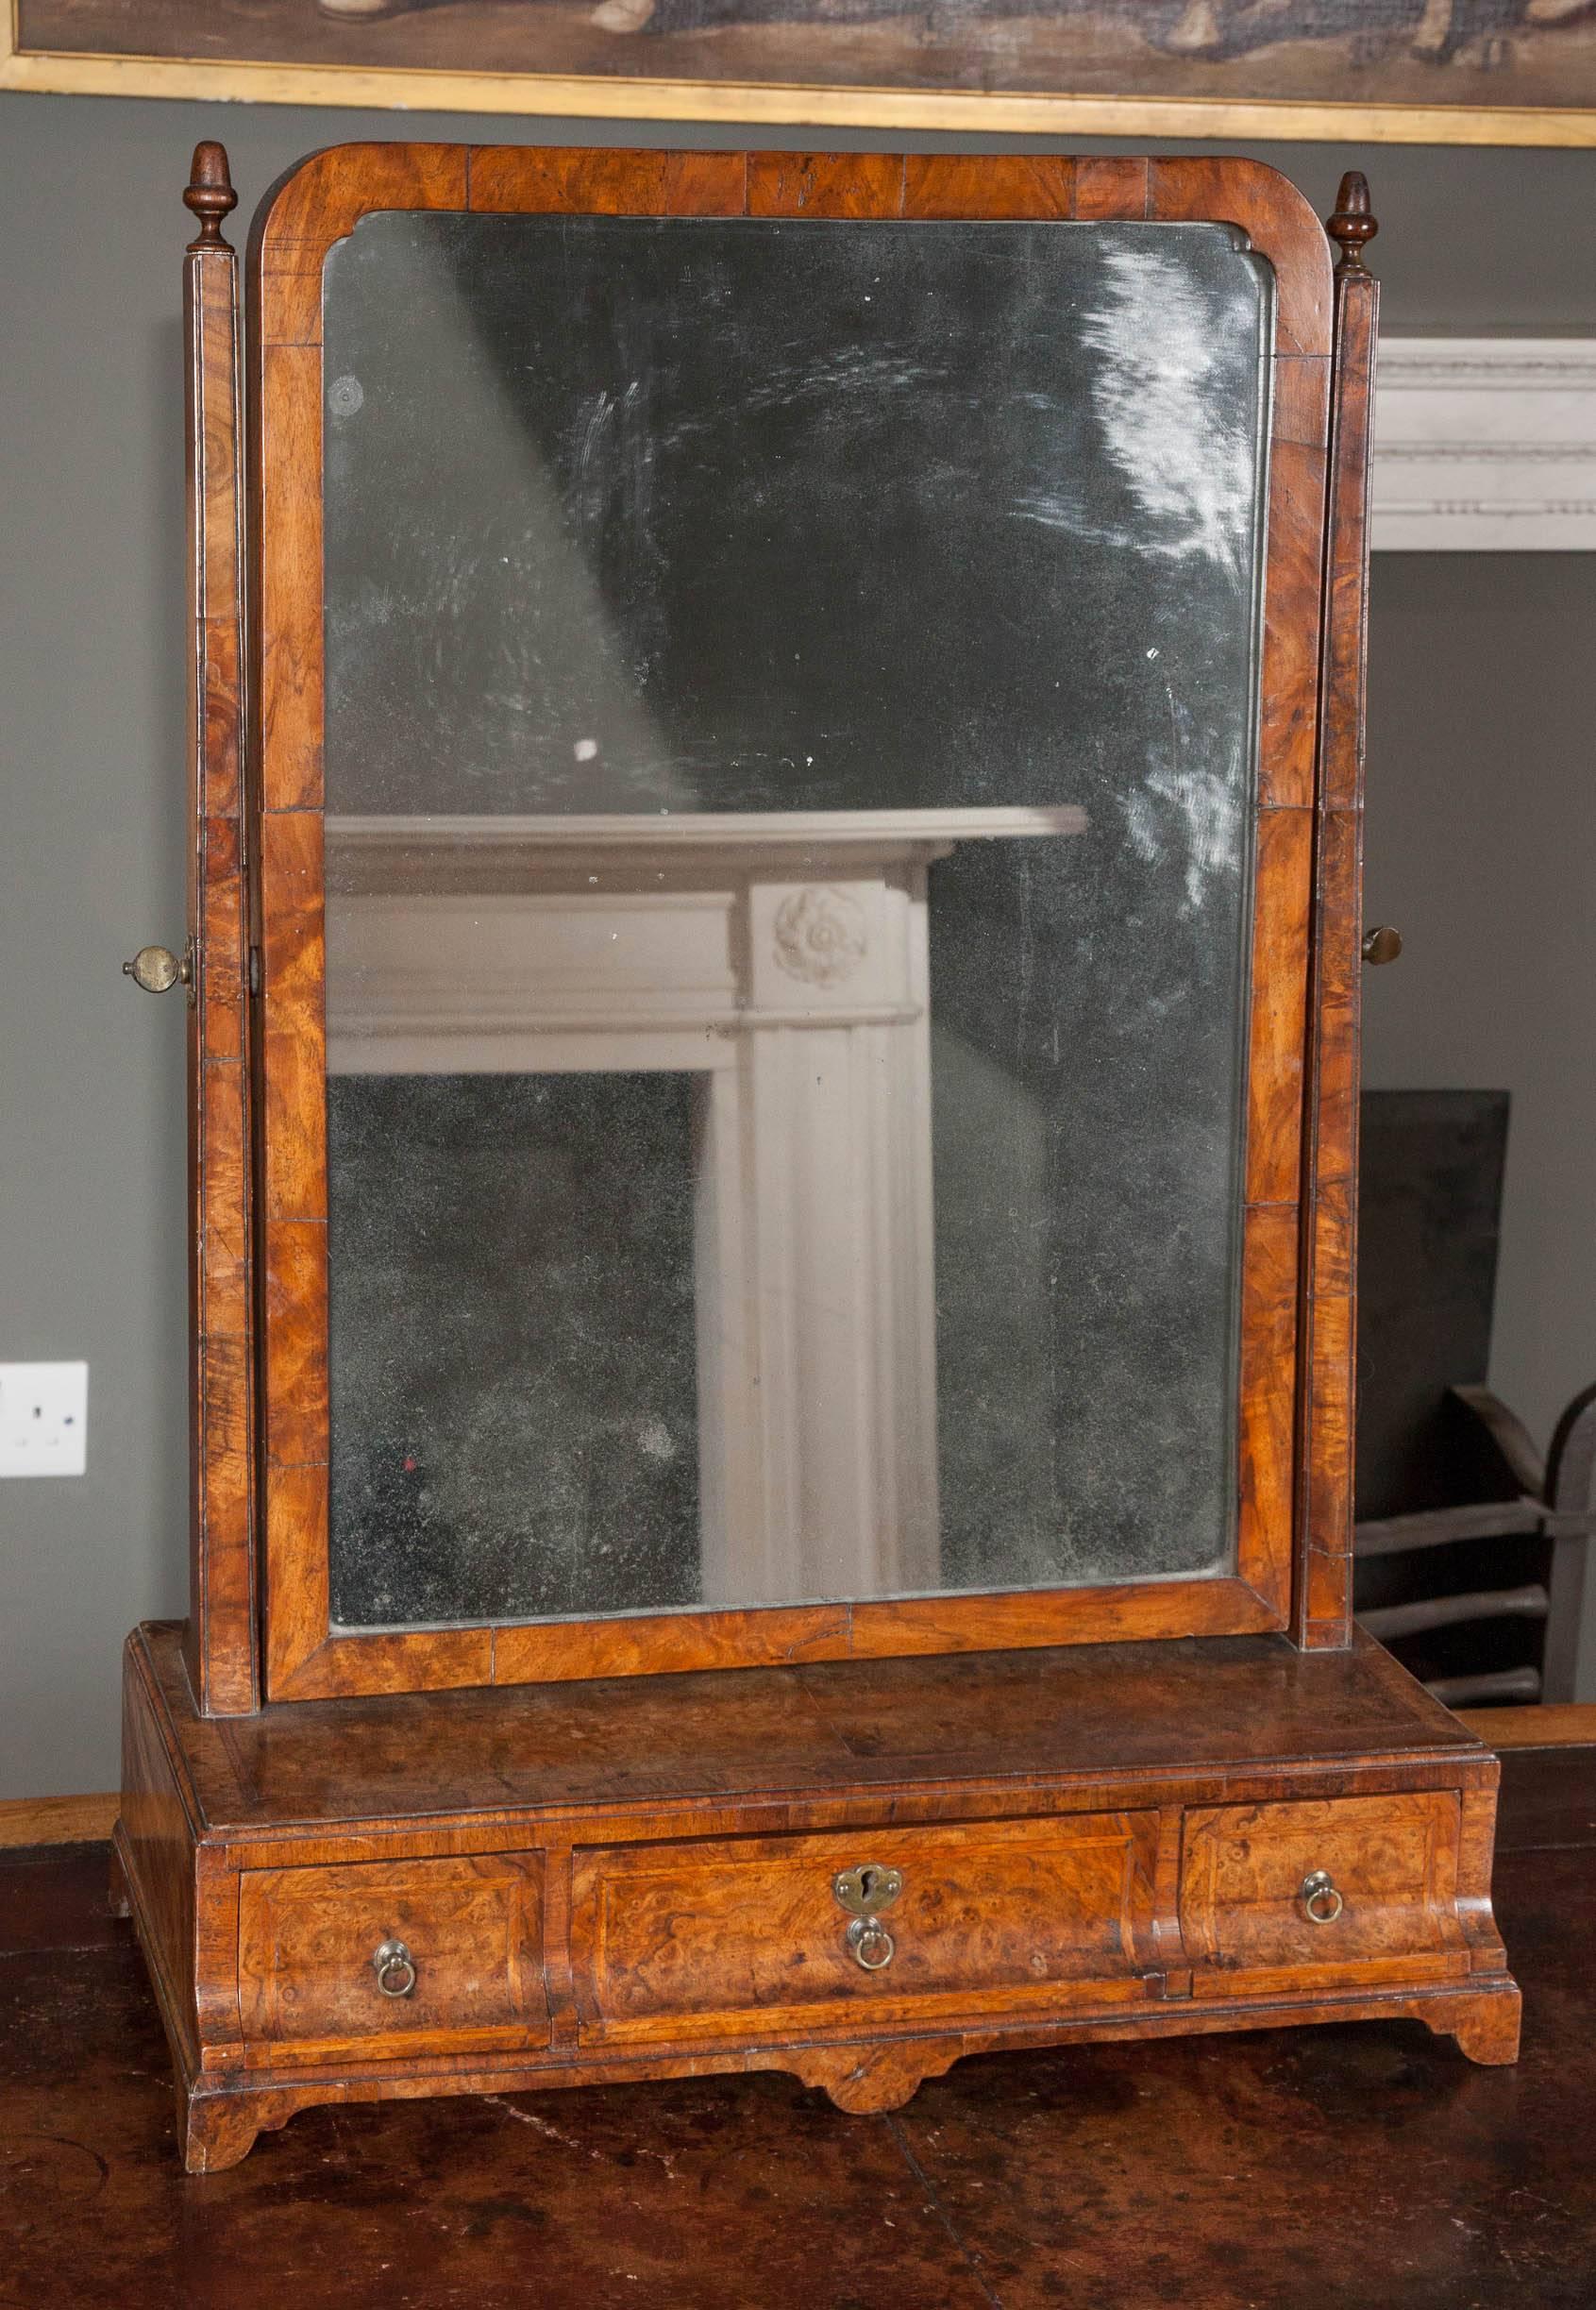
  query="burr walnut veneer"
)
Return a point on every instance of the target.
[
  {"x": 855, "y": 1838},
  {"x": 635, "y": 1877}
]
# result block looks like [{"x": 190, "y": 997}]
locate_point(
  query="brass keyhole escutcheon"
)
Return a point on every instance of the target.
[
  {"x": 864, "y": 1891},
  {"x": 868, "y": 1888}
]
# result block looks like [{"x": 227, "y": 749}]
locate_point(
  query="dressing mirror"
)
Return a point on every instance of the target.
[
  {"x": 791, "y": 762},
  {"x": 774, "y": 1084}
]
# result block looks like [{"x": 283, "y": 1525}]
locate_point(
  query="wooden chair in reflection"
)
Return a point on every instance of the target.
[{"x": 1471, "y": 1546}]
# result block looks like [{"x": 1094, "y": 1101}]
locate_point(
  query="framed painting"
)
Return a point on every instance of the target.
[{"x": 1487, "y": 72}]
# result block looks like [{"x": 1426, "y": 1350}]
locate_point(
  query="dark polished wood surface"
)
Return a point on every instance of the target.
[{"x": 1344, "y": 2167}]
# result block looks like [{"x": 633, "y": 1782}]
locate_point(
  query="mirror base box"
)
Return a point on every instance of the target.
[{"x": 858, "y": 1872}]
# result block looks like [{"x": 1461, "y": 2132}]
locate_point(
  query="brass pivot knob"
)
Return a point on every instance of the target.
[
  {"x": 157, "y": 969},
  {"x": 1382, "y": 944},
  {"x": 395, "y": 1968},
  {"x": 1322, "y": 1903}
]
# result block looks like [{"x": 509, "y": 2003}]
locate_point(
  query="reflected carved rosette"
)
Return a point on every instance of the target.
[{"x": 821, "y": 936}]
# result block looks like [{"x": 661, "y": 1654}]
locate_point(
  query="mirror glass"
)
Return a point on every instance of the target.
[{"x": 790, "y": 746}]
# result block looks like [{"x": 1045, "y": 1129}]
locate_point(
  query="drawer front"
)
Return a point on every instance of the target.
[
  {"x": 470, "y": 1927},
  {"x": 1355, "y": 1882},
  {"x": 1008, "y": 1912}
]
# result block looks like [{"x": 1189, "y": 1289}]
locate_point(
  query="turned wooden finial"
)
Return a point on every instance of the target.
[
  {"x": 1352, "y": 227},
  {"x": 210, "y": 193}
]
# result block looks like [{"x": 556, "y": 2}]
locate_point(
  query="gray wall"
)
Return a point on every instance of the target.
[
  {"x": 1481, "y": 831},
  {"x": 1482, "y": 847}
]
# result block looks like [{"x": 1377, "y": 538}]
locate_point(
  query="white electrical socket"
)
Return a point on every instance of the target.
[{"x": 44, "y": 1419}]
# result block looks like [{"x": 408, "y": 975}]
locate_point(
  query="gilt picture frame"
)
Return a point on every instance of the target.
[{"x": 1465, "y": 72}]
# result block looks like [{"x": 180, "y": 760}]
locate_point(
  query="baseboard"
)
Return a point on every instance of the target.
[
  {"x": 58, "y": 1820},
  {"x": 1568, "y": 1724}
]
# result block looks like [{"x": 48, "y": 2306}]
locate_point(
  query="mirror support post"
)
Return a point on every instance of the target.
[
  {"x": 221, "y": 1646},
  {"x": 1321, "y": 1607}
]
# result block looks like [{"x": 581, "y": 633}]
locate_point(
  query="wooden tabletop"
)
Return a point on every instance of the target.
[{"x": 1332, "y": 2167}]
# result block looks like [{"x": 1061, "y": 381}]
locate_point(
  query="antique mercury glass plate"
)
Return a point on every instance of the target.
[{"x": 791, "y": 741}]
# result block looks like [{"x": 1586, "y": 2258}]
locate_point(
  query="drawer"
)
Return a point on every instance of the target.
[
  {"x": 1390, "y": 1898},
  {"x": 470, "y": 1927},
  {"x": 752, "y": 1929}
]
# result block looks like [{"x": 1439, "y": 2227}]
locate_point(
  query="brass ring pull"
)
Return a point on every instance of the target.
[
  {"x": 1322, "y": 1903},
  {"x": 873, "y": 1946},
  {"x": 395, "y": 1968}
]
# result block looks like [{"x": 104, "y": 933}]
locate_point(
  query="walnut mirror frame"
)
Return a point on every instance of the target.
[
  {"x": 1170, "y": 1803},
  {"x": 306, "y": 1653}
]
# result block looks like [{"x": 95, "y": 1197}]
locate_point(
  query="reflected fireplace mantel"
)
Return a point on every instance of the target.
[{"x": 782, "y": 959}]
